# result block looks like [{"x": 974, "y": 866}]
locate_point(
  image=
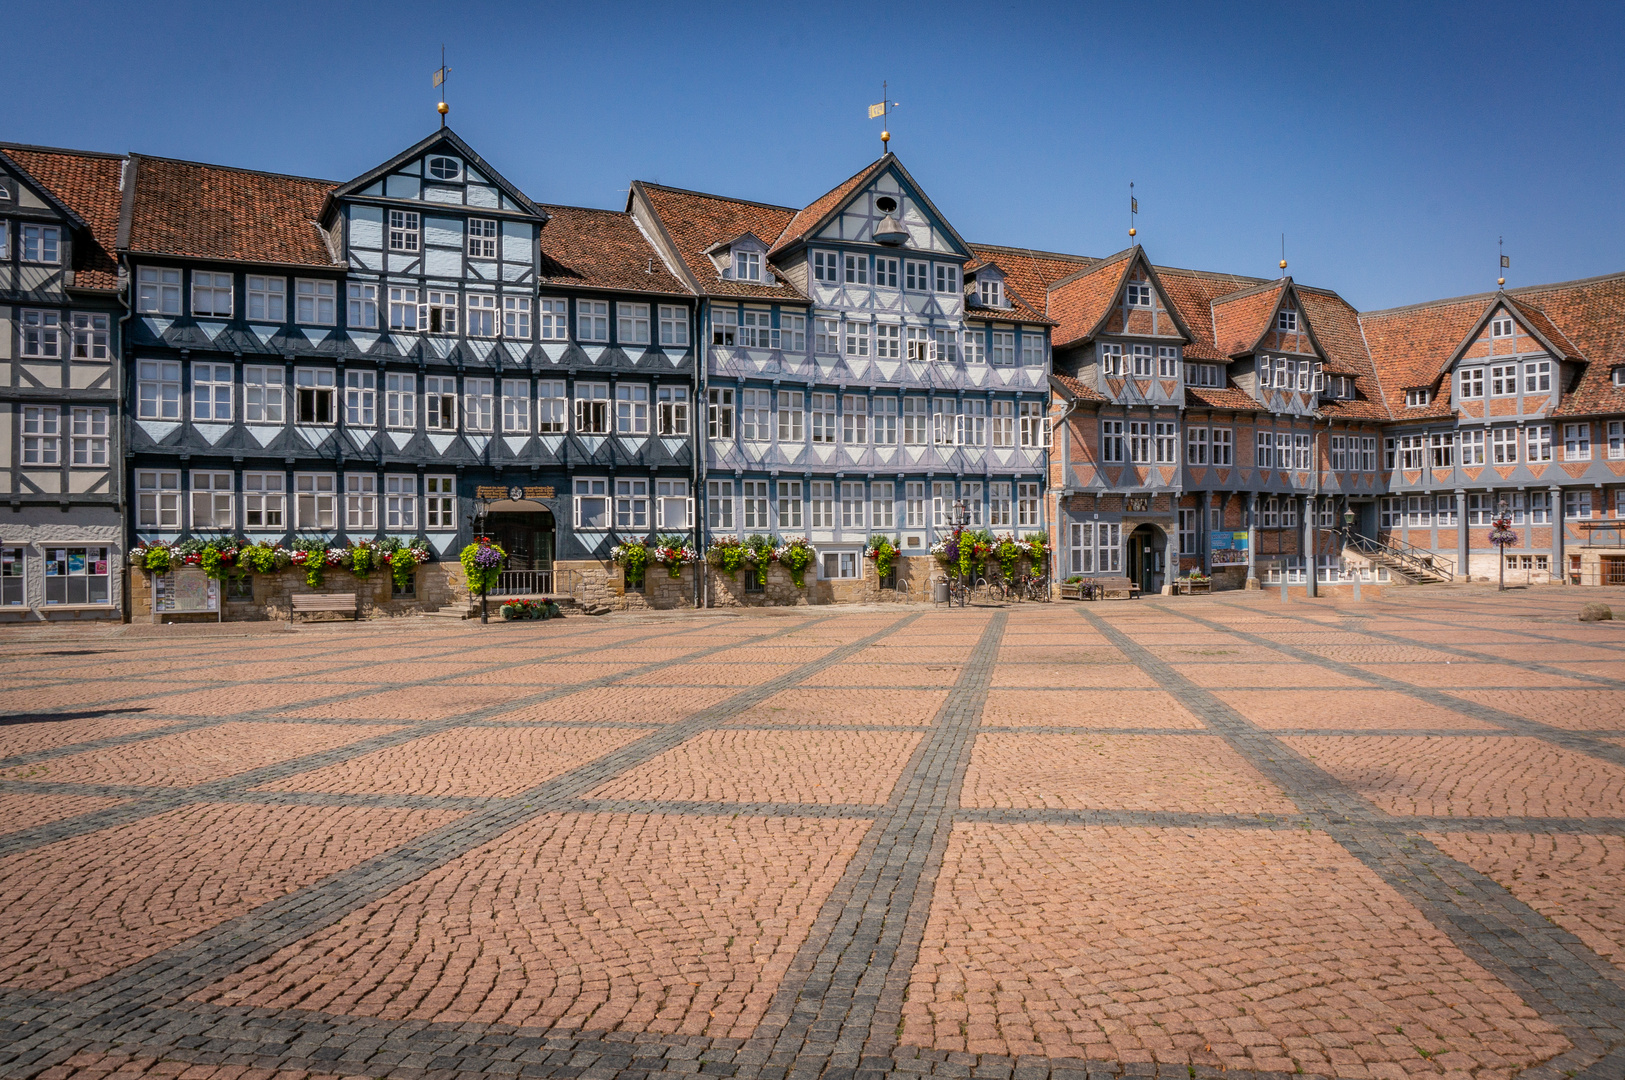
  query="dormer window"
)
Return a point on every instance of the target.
[
  {"x": 1619, "y": 376},
  {"x": 1415, "y": 399},
  {"x": 1500, "y": 327},
  {"x": 1286, "y": 320},
  {"x": 1139, "y": 294},
  {"x": 445, "y": 168},
  {"x": 992, "y": 291},
  {"x": 748, "y": 265}
]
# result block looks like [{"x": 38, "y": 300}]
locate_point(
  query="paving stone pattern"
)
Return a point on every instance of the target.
[{"x": 1194, "y": 837}]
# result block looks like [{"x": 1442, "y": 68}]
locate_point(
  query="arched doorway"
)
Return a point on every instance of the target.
[
  {"x": 525, "y": 530},
  {"x": 1147, "y": 558}
]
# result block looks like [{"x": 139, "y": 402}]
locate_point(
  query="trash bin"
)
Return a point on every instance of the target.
[{"x": 939, "y": 591}]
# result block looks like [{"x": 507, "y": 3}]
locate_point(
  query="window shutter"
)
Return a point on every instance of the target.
[
  {"x": 1049, "y": 426},
  {"x": 688, "y": 508}
]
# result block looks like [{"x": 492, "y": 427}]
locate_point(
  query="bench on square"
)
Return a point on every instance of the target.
[
  {"x": 342, "y": 602},
  {"x": 1116, "y": 588}
]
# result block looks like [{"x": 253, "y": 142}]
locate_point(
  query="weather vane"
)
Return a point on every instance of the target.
[
  {"x": 1133, "y": 209},
  {"x": 1506, "y": 263},
  {"x": 881, "y": 110},
  {"x": 1283, "y": 254},
  {"x": 440, "y": 81}
]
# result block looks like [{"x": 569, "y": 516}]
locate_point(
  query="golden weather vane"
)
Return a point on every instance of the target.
[
  {"x": 1133, "y": 209},
  {"x": 882, "y": 110},
  {"x": 440, "y": 81},
  {"x": 1506, "y": 263}
]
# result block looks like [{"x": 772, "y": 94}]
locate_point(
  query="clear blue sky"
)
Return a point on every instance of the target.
[{"x": 1392, "y": 143}]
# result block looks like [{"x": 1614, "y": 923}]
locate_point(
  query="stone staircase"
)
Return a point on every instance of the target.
[{"x": 1406, "y": 562}]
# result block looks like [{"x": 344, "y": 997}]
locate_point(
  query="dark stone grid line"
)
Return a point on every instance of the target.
[
  {"x": 1408, "y": 616},
  {"x": 1551, "y": 969}
]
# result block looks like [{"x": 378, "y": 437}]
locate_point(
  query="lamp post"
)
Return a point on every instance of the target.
[
  {"x": 476, "y": 521},
  {"x": 1503, "y": 537}
]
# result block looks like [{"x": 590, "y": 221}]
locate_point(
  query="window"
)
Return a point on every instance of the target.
[
  {"x": 1035, "y": 432},
  {"x": 1139, "y": 441},
  {"x": 1027, "y": 506},
  {"x": 1081, "y": 547},
  {"x": 821, "y": 504},
  {"x": 1472, "y": 382},
  {"x": 632, "y": 505},
  {"x": 482, "y": 238},
  {"x": 89, "y": 336},
  {"x": 632, "y": 323},
  {"x": 552, "y": 406},
  {"x": 1576, "y": 442},
  {"x": 360, "y": 398},
  {"x": 268, "y": 299},
  {"x": 1390, "y": 513},
  {"x": 440, "y": 502},
  {"x": 857, "y": 339},
  {"x": 1032, "y": 348},
  {"x": 315, "y": 501},
  {"x": 1111, "y": 440},
  {"x": 211, "y": 391},
  {"x": 792, "y": 333},
  {"x": 158, "y": 500},
  {"x": 724, "y": 326},
  {"x": 516, "y": 406},
  {"x": 719, "y": 504},
  {"x": 592, "y": 320},
  {"x": 1187, "y": 532},
  {"x": 857, "y": 269},
  {"x": 1108, "y": 547},
  {"x": 756, "y": 415},
  {"x": 756, "y": 500},
  {"x": 363, "y": 301},
  {"x": 158, "y": 291},
  {"x": 89, "y": 436},
  {"x": 673, "y": 508},
  {"x": 592, "y": 408},
  {"x": 1305, "y": 375},
  {"x": 262, "y": 395},
  {"x": 1111, "y": 359},
  {"x": 888, "y": 343},
  {"x": 755, "y": 329},
  {"x": 1166, "y": 442},
  {"x": 1481, "y": 508},
  {"x": 1537, "y": 376},
  {"x": 748, "y": 265},
  {"x": 1139, "y": 294},
  {"x": 1504, "y": 446},
  {"x": 1221, "y": 446},
  {"x": 158, "y": 385},
  {"x": 1503, "y": 380},
  {"x": 1368, "y": 453},
  {"x": 439, "y": 314},
  {"x": 852, "y": 505},
  {"x": 826, "y": 336},
  {"x": 1472, "y": 447},
  {"x": 998, "y": 505},
  {"x": 1419, "y": 511},
  {"x": 1500, "y": 327},
  {"x": 1142, "y": 359},
  {"x": 440, "y": 403},
  {"x": 42, "y": 435},
  {"x": 1577, "y": 504},
  {"x": 942, "y": 502},
  {"x": 975, "y": 346},
  {"x": 1289, "y": 512},
  {"x": 973, "y": 422},
  {"x": 400, "y": 502},
  {"x": 403, "y": 308},
  {"x": 919, "y": 343},
  {"x": 1202, "y": 374},
  {"x": 1264, "y": 451},
  {"x": 789, "y": 504},
  {"x": 1442, "y": 450},
  {"x": 840, "y": 564},
  {"x": 400, "y": 401},
  {"x": 823, "y": 418},
  {"x": 914, "y": 420},
  {"x": 885, "y": 272},
  {"x": 1286, "y": 320},
  {"x": 554, "y": 319},
  {"x": 947, "y": 279},
  {"x": 1538, "y": 441},
  {"x": 315, "y": 395},
  {"x": 1540, "y": 508},
  {"x": 991, "y": 291},
  {"x": 1196, "y": 446},
  {"x": 360, "y": 501},
  {"x": 41, "y": 333},
  {"x": 404, "y": 230},
  {"x": 1410, "y": 451},
  {"x": 825, "y": 267},
  {"x": 884, "y": 416},
  {"x": 211, "y": 294},
  {"x": 264, "y": 501},
  {"x": 1616, "y": 440},
  {"x": 76, "y": 576},
  {"x": 882, "y": 504},
  {"x": 790, "y": 416},
  {"x": 944, "y": 422},
  {"x": 1167, "y": 362},
  {"x": 482, "y": 315},
  {"x": 855, "y": 420},
  {"x": 1338, "y": 452},
  {"x": 673, "y": 325},
  {"x": 719, "y": 413},
  {"x": 914, "y": 504},
  {"x": 916, "y": 276},
  {"x": 631, "y": 409},
  {"x": 444, "y": 168},
  {"x": 5, "y": 236},
  {"x": 1444, "y": 510},
  {"x": 42, "y": 243},
  {"x": 592, "y": 503},
  {"x": 316, "y": 301}
]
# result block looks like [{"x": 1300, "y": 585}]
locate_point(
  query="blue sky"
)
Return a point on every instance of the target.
[{"x": 1391, "y": 143}]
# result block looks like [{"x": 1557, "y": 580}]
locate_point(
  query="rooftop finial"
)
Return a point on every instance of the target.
[
  {"x": 1283, "y": 254},
  {"x": 440, "y": 80},
  {"x": 1133, "y": 209},
  {"x": 882, "y": 110},
  {"x": 1506, "y": 263}
]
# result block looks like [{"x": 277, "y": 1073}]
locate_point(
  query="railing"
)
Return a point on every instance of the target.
[
  {"x": 1405, "y": 557},
  {"x": 523, "y": 583},
  {"x": 1334, "y": 572}
]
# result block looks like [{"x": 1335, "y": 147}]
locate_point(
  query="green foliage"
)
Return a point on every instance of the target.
[
  {"x": 796, "y": 556},
  {"x": 761, "y": 550},
  {"x": 157, "y": 559},
  {"x": 362, "y": 560},
  {"x": 885, "y": 556},
  {"x": 482, "y": 578},
  {"x": 727, "y": 555},
  {"x": 633, "y": 558},
  {"x": 529, "y": 609},
  {"x": 1009, "y": 551}
]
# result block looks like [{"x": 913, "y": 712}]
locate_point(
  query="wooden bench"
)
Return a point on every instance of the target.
[
  {"x": 1117, "y": 588},
  {"x": 342, "y": 602}
]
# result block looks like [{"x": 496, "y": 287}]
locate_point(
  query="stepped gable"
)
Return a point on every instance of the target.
[
  {"x": 88, "y": 184},
  {"x": 602, "y": 249},
  {"x": 202, "y": 211},
  {"x": 697, "y": 222}
]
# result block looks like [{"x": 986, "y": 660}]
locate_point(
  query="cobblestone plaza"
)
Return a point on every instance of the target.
[{"x": 1213, "y": 836}]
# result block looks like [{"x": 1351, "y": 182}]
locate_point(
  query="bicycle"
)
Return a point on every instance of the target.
[{"x": 1035, "y": 587}]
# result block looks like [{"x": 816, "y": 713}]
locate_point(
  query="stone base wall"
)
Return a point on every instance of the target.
[
  {"x": 592, "y": 582},
  {"x": 436, "y": 585}
]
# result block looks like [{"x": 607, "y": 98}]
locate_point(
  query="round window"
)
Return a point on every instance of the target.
[
  {"x": 444, "y": 168},
  {"x": 886, "y": 203}
]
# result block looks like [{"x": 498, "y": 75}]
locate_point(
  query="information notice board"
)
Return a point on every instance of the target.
[{"x": 184, "y": 592}]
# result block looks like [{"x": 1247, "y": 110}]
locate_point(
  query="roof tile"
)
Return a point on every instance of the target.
[
  {"x": 199, "y": 211},
  {"x": 696, "y": 221},
  {"x": 88, "y": 184},
  {"x": 602, "y": 249}
]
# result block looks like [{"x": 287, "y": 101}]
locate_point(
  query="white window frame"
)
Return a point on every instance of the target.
[
  {"x": 592, "y": 503},
  {"x": 592, "y": 320},
  {"x": 158, "y": 389},
  {"x": 552, "y": 407},
  {"x": 632, "y": 323},
  {"x": 719, "y": 413},
  {"x": 632, "y": 409},
  {"x": 263, "y": 395},
  {"x": 671, "y": 409},
  {"x": 479, "y": 404},
  {"x": 1577, "y": 442},
  {"x": 360, "y": 502},
  {"x": 440, "y": 402},
  {"x": 482, "y": 238},
  {"x": 405, "y": 230},
  {"x": 673, "y": 325},
  {"x": 212, "y": 392},
  {"x": 404, "y": 309},
  {"x": 361, "y": 298},
  {"x": 791, "y": 417},
  {"x": 632, "y": 505},
  {"x": 315, "y": 385},
  {"x": 516, "y": 406},
  {"x": 41, "y": 435},
  {"x": 674, "y": 508},
  {"x": 265, "y": 502},
  {"x": 360, "y": 397},
  {"x": 316, "y": 301},
  {"x": 158, "y": 499},
  {"x": 480, "y": 315},
  {"x": 400, "y": 502},
  {"x": 516, "y": 317},
  {"x": 553, "y": 318},
  {"x": 400, "y": 400},
  {"x": 592, "y": 410},
  {"x": 440, "y": 503},
  {"x": 315, "y": 502},
  {"x": 90, "y": 335},
  {"x": 90, "y": 437},
  {"x": 41, "y": 333},
  {"x": 719, "y": 505},
  {"x": 267, "y": 298},
  {"x": 209, "y": 291},
  {"x": 789, "y": 504}
]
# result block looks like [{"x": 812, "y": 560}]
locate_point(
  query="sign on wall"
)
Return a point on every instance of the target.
[
  {"x": 515, "y": 493},
  {"x": 185, "y": 591},
  {"x": 1229, "y": 548}
]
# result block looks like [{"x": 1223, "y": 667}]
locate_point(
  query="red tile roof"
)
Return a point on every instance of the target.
[
  {"x": 1241, "y": 319},
  {"x": 88, "y": 184},
  {"x": 1029, "y": 272},
  {"x": 602, "y": 249},
  {"x": 807, "y": 219},
  {"x": 1336, "y": 328},
  {"x": 1074, "y": 389},
  {"x": 1216, "y": 397},
  {"x": 1410, "y": 347},
  {"x": 1078, "y": 303},
  {"x": 696, "y": 221},
  {"x": 213, "y": 212},
  {"x": 1535, "y": 319},
  {"x": 1192, "y": 293}
]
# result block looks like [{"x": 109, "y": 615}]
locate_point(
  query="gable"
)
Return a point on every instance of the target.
[
  {"x": 864, "y": 209},
  {"x": 441, "y": 169}
]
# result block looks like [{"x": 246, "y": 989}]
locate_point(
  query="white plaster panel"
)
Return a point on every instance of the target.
[
  {"x": 441, "y": 262},
  {"x": 512, "y": 271},
  {"x": 367, "y": 226},
  {"x": 516, "y": 236},
  {"x": 47, "y": 376},
  {"x": 482, "y": 196},
  {"x": 48, "y": 481},
  {"x": 402, "y": 187},
  {"x": 403, "y": 264},
  {"x": 447, "y": 232},
  {"x": 367, "y": 260},
  {"x": 90, "y": 375},
  {"x": 438, "y": 194}
]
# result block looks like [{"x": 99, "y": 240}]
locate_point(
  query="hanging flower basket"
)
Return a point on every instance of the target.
[
  {"x": 884, "y": 553},
  {"x": 482, "y": 563},
  {"x": 674, "y": 553}
]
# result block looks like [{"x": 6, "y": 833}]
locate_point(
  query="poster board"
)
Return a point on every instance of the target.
[
  {"x": 184, "y": 592},
  {"x": 1228, "y": 548}
]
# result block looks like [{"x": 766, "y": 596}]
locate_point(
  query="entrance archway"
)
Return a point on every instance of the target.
[
  {"x": 1147, "y": 558},
  {"x": 527, "y": 535}
]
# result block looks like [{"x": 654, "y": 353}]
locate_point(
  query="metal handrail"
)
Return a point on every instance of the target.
[{"x": 1422, "y": 560}]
